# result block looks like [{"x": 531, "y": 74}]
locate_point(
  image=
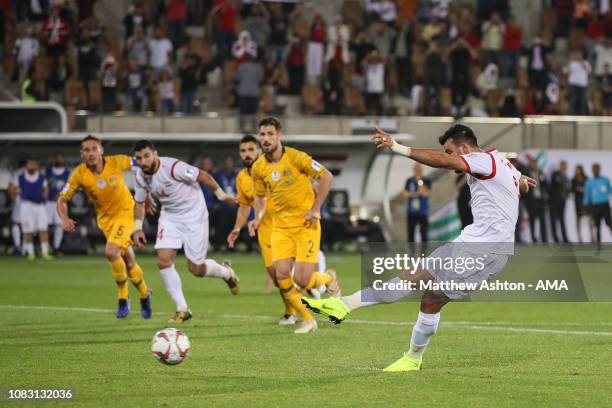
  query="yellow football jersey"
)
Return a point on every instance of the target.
[
  {"x": 246, "y": 195},
  {"x": 287, "y": 184},
  {"x": 107, "y": 191}
]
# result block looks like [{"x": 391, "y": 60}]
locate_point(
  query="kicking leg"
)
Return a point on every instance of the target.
[{"x": 337, "y": 309}]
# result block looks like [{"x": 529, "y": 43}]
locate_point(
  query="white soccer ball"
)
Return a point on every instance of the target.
[{"x": 170, "y": 346}]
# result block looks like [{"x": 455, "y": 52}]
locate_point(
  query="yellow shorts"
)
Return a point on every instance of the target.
[
  {"x": 119, "y": 232},
  {"x": 264, "y": 236},
  {"x": 301, "y": 243}
]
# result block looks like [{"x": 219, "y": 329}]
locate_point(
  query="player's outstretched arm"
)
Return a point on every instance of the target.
[
  {"x": 242, "y": 216},
  {"x": 138, "y": 236},
  {"x": 212, "y": 184},
  {"x": 62, "y": 209},
  {"x": 429, "y": 157}
]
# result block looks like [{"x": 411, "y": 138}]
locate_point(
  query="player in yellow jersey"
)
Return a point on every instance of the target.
[
  {"x": 282, "y": 175},
  {"x": 249, "y": 151},
  {"x": 101, "y": 177}
]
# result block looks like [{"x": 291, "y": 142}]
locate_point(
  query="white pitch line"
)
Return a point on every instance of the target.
[
  {"x": 453, "y": 325},
  {"x": 64, "y": 309}
]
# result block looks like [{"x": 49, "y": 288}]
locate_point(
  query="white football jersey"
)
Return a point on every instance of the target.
[
  {"x": 176, "y": 187},
  {"x": 494, "y": 186}
]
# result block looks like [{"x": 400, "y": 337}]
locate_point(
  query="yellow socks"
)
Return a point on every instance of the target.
[
  {"x": 137, "y": 277},
  {"x": 289, "y": 310},
  {"x": 293, "y": 296},
  {"x": 120, "y": 277},
  {"x": 318, "y": 279}
]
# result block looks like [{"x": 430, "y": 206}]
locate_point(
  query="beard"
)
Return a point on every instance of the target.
[
  {"x": 269, "y": 149},
  {"x": 248, "y": 162}
]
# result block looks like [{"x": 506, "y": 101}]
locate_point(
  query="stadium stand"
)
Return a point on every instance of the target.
[{"x": 472, "y": 58}]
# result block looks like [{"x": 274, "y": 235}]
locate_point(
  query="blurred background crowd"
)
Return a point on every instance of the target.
[{"x": 378, "y": 57}]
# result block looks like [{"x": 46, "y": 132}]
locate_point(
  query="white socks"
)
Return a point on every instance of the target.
[
  {"x": 422, "y": 331},
  {"x": 16, "y": 233},
  {"x": 44, "y": 248},
  {"x": 58, "y": 234},
  {"x": 29, "y": 248},
  {"x": 370, "y": 296},
  {"x": 172, "y": 282},
  {"x": 214, "y": 270}
]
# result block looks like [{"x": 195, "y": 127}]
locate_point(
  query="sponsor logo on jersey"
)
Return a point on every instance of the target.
[
  {"x": 276, "y": 175},
  {"x": 190, "y": 173},
  {"x": 316, "y": 165}
]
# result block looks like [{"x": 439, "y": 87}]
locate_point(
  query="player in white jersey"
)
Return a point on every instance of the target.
[
  {"x": 183, "y": 222},
  {"x": 495, "y": 187}
]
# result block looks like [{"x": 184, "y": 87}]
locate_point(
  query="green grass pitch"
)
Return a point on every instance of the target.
[{"x": 59, "y": 331}]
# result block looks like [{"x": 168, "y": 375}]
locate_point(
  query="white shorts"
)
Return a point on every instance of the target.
[
  {"x": 487, "y": 264},
  {"x": 53, "y": 217},
  {"x": 33, "y": 217},
  {"x": 191, "y": 236},
  {"x": 16, "y": 214}
]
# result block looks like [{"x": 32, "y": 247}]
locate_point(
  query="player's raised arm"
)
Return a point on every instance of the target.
[
  {"x": 429, "y": 157},
  {"x": 211, "y": 183}
]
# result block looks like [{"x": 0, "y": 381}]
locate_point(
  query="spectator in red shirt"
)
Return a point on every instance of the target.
[
  {"x": 512, "y": 48},
  {"x": 225, "y": 13},
  {"x": 316, "y": 50},
  {"x": 177, "y": 19},
  {"x": 594, "y": 33},
  {"x": 55, "y": 31}
]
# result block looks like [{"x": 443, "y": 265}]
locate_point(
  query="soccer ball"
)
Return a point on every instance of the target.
[{"x": 170, "y": 346}]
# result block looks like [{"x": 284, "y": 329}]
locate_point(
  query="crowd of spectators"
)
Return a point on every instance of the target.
[{"x": 447, "y": 58}]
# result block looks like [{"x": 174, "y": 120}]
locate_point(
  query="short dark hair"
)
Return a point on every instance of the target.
[
  {"x": 91, "y": 137},
  {"x": 270, "y": 121},
  {"x": 249, "y": 139},
  {"x": 143, "y": 144},
  {"x": 459, "y": 134}
]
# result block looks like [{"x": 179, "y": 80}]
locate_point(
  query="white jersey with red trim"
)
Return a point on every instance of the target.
[
  {"x": 176, "y": 187},
  {"x": 494, "y": 186}
]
